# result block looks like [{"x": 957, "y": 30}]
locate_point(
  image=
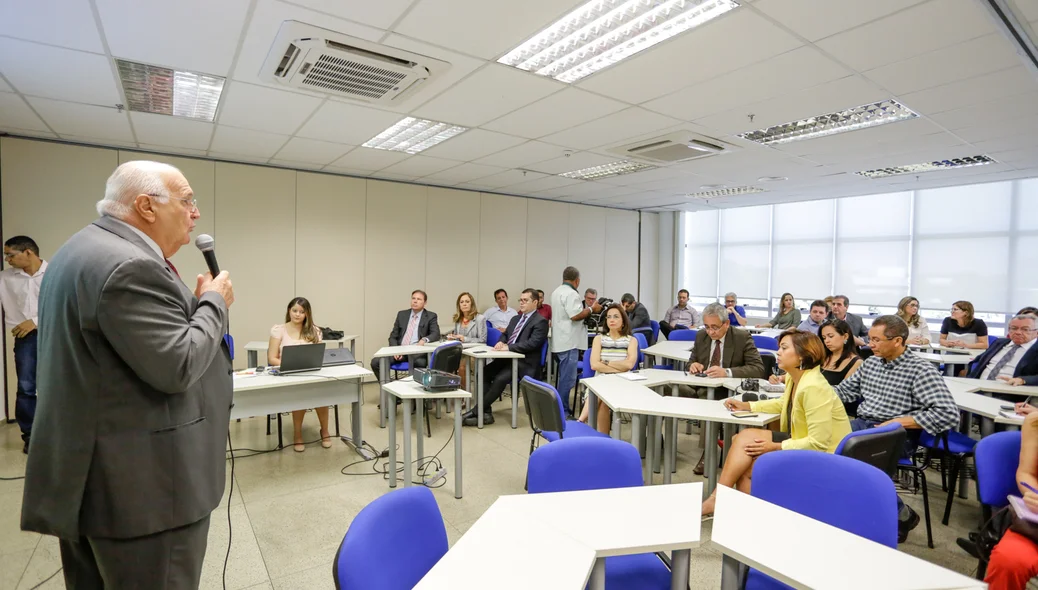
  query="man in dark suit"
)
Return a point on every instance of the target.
[
  {"x": 722, "y": 352},
  {"x": 526, "y": 334},
  {"x": 412, "y": 326},
  {"x": 1014, "y": 359},
  {"x": 126, "y": 460}
]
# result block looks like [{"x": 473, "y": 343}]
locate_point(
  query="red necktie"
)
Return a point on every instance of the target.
[
  {"x": 715, "y": 358},
  {"x": 171, "y": 267}
]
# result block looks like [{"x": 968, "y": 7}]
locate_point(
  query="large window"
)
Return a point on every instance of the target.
[{"x": 941, "y": 245}]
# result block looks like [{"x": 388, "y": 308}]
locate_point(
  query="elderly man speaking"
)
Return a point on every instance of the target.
[{"x": 126, "y": 460}]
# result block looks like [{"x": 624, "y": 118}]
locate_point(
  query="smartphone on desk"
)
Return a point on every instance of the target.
[
  {"x": 1008, "y": 408},
  {"x": 744, "y": 414}
]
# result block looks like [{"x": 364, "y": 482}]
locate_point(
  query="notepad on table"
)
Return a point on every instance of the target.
[
  {"x": 1011, "y": 415},
  {"x": 633, "y": 376},
  {"x": 1021, "y": 510}
]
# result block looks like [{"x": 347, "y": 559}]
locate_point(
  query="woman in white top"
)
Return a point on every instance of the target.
[
  {"x": 613, "y": 352},
  {"x": 299, "y": 328},
  {"x": 918, "y": 330},
  {"x": 469, "y": 326}
]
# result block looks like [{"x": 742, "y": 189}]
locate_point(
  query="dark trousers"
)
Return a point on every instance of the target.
[
  {"x": 420, "y": 361},
  {"x": 911, "y": 442},
  {"x": 25, "y": 368},
  {"x": 168, "y": 560},
  {"x": 496, "y": 376},
  {"x": 666, "y": 328}
]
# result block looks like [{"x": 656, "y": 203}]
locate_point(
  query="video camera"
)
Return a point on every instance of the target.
[{"x": 596, "y": 322}]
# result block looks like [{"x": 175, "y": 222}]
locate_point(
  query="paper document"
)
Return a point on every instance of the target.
[
  {"x": 1021, "y": 509},
  {"x": 633, "y": 376},
  {"x": 1011, "y": 415}
]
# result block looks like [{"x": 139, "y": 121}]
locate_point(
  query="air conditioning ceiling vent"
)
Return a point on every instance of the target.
[{"x": 679, "y": 146}]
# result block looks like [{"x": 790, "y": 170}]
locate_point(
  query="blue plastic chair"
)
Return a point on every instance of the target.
[
  {"x": 682, "y": 335},
  {"x": 765, "y": 342},
  {"x": 493, "y": 335},
  {"x": 392, "y": 543},
  {"x": 584, "y": 371},
  {"x": 956, "y": 445},
  {"x": 642, "y": 343},
  {"x": 594, "y": 464},
  {"x": 655, "y": 331},
  {"x": 997, "y": 456},
  {"x": 547, "y": 416},
  {"x": 852, "y": 495},
  {"x": 991, "y": 340}
]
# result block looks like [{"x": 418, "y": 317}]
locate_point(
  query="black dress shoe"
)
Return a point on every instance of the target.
[
  {"x": 969, "y": 547},
  {"x": 904, "y": 527},
  {"x": 472, "y": 419},
  {"x": 25, "y": 448}
]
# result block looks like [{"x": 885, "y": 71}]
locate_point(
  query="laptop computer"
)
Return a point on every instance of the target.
[
  {"x": 334, "y": 357},
  {"x": 301, "y": 358}
]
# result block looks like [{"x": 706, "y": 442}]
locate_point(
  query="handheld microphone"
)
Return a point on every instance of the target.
[{"x": 207, "y": 245}]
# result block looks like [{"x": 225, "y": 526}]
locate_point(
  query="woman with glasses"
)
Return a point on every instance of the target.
[
  {"x": 963, "y": 330},
  {"x": 299, "y": 328},
  {"x": 788, "y": 315},
  {"x": 469, "y": 326},
  {"x": 616, "y": 351},
  {"x": 918, "y": 330}
]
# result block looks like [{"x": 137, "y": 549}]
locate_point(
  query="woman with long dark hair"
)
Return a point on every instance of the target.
[
  {"x": 616, "y": 351},
  {"x": 299, "y": 328}
]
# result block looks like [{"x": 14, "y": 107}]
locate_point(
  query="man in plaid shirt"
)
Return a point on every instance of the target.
[{"x": 895, "y": 385}]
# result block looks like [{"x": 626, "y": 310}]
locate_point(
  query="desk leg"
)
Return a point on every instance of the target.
[
  {"x": 679, "y": 565},
  {"x": 731, "y": 573},
  {"x": 356, "y": 427},
  {"x": 420, "y": 426},
  {"x": 252, "y": 359},
  {"x": 673, "y": 434},
  {"x": 710, "y": 458},
  {"x": 281, "y": 443},
  {"x": 636, "y": 434},
  {"x": 407, "y": 442},
  {"x": 592, "y": 408},
  {"x": 383, "y": 371},
  {"x": 669, "y": 425},
  {"x": 480, "y": 369},
  {"x": 392, "y": 447},
  {"x": 965, "y": 423},
  {"x": 987, "y": 427},
  {"x": 650, "y": 449},
  {"x": 597, "y": 581},
  {"x": 336, "y": 408},
  {"x": 726, "y": 430},
  {"x": 457, "y": 448},
  {"x": 353, "y": 347},
  {"x": 658, "y": 444},
  {"x": 615, "y": 430},
  {"x": 515, "y": 393}
]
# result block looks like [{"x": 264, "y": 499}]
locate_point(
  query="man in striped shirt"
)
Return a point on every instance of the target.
[
  {"x": 681, "y": 316},
  {"x": 895, "y": 385}
]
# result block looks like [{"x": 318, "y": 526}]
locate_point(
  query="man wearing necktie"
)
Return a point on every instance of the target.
[
  {"x": 416, "y": 325},
  {"x": 526, "y": 334},
  {"x": 1013, "y": 359}
]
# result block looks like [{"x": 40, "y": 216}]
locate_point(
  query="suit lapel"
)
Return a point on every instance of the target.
[{"x": 729, "y": 349}]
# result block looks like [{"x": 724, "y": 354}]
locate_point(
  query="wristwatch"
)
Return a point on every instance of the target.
[{"x": 605, "y": 361}]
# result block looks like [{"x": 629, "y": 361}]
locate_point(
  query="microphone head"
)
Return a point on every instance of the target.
[{"x": 205, "y": 242}]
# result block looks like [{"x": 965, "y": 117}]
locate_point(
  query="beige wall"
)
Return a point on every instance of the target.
[{"x": 355, "y": 247}]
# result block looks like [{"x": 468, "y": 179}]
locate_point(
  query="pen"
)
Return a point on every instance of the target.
[{"x": 1025, "y": 484}]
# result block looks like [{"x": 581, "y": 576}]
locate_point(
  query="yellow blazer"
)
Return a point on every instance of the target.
[{"x": 819, "y": 420}]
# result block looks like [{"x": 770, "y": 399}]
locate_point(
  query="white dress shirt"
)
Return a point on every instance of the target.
[
  {"x": 147, "y": 239},
  {"x": 20, "y": 294},
  {"x": 499, "y": 319},
  {"x": 565, "y": 333},
  {"x": 720, "y": 345},
  {"x": 1010, "y": 368}
]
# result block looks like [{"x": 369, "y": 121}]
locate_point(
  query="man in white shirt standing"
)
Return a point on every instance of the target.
[
  {"x": 569, "y": 334},
  {"x": 501, "y": 314},
  {"x": 19, "y": 295}
]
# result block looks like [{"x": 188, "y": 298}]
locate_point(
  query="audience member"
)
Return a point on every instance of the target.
[
  {"x": 543, "y": 308},
  {"x": 895, "y": 385},
  {"x": 636, "y": 312},
  {"x": 829, "y": 306},
  {"x": 1013, "y": 359},
  {"x": 788, "y": 315},
  {"x": 812, "y": 417},
  {"x": 590, "y": 297},
  {"x": 815, "y": 316},
  {"x": 918, "y": 330},
  {"x": 525, "y": 334},
  {"x": 299, "y": 328},
  {"x": 569, "y": 334},
  {"x": 840, "y": 305},
  {"x": 680, "y": 317},
  {"x": 1028, "y": 311},
  {"x": 1014, "y": 560},
  {"x": 416, "y": 325},
  {"x": 613, "y": 352},
  {"x": 500, "y": 314},
  {"x": 736, "y": 312},
  {"x": 841, "y": 355},
  {"x": 19, "y": 297},
  {"x": 469, "y": 326},
  {"x": 962, "y": 329}
]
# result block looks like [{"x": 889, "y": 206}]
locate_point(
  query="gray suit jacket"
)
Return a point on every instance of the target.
[
  {"x": 134, "y": 385},
  {"x": 738, "y": 353}
]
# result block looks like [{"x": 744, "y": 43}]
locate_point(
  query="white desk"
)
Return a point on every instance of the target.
[
  {"x": 786, "y": 546},
  {"x": 674, "y": 350},
  {"x": 933, "y": 346},
  {"x": 384, "y": 355},
  {"x": 996, "y": 386},
  {"x": 480, "y": 354},
  {"x": 407, "y": 390},
  {"x": 263, "y": 394},
  {"x": 949, "y": 360},
  {"x": 252, "y": 349}
]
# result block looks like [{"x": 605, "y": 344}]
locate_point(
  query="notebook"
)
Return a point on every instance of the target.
[{"x": 1021, "y": 510}]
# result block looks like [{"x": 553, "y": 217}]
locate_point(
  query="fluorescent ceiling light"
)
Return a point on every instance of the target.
[
  {"x": 599, "y": 33},
  {"x": 606, "y": 170},
  {"x": 165, "y": 91},
  {"x": 726, "y": 192},
  {"x": 413, "y": 135},
  {"x": 927, "y": 167},
  {"x": 869, "y": 115}
]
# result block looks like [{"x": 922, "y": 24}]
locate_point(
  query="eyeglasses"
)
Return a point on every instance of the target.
[
  {"x": 9, "y": 255},
  {"x": 191, "y": 203},
  {"x": 1021, "y": 329},
  {"x": 954, "y": 309},
  {"x": 712, "y": 328}
]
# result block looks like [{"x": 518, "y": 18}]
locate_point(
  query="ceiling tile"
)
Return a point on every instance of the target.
[
  {"x": 473, "y": 144},
  {"x": 66, "y": 74},
  {"x": 794, "y": 70},
  {"x": 312, "y": 151},
  {"x": 68, "y": 23},
  {"x": 521, "y": 155},
  {"x": 982, "y": 55},
  {"x": 165, "y": 149},
  {"x": 339, "y": 122},
  {"x": 1007, "y": 128},
  {"x": 571, "y": 162},
  {"x": 215, "y": 28},
  {"x": 484, "y": 28},
  {"x": 418, "y": 166},
  {"x": 487, "y": 94},
  {"x": 239, "y": 158},
  {"x": 464, "y": 173},
  {"x": 264, "y": 109},
  {"x": 813, "y": 22},
  {"x": 246, "y": 142},
  {"x": 171, "y": 131},
  {"x": 1016, "y": 108},
  {"x": 460, "y": 66},
  {"x": 4, "y": 87},
  {"x": 1010, "y": 82},
  {"x": 496, "y": 181},
  {"x": 1028, "y": 9},
  {"x": 67, "y": 118},
  {"x": 559, "y": 111},
  {"x": 363, "y": 158},
  {"x": 15, "y": 114},
  {"x": 93, "y": 140},
  {"x": 732, "y": 41},
  {"x": 612, "y": 129},
  {"x": 379, "y": 14},
  {"x": 294, "y": 165},
  {"x": 919, "y": 29},
  {"x": 539, "y": 184}
]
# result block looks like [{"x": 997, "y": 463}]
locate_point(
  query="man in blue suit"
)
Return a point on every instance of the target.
[{"x": 1013, "y": 359}]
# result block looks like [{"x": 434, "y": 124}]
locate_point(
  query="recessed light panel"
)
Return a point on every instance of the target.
[
  {"x": 726, "y": 192},
  {"x": 413, "y": 135},
  {"x": 600, "y": 33},
  {"x": 928, "y": 167},
  {"x": 606, "y": 170},
  {"x": 164, "y": 91},
  {"x": 869, "y": 115}
]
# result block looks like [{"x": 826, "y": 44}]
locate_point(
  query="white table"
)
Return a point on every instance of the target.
[
  {"x": 933, "y": 346},
  {"x": 674, "y": 350},
  {"x": 264, "y": 394},
  {"x": 384, "y": 356},
  {"x": 480, "y": 353},
  {"x": 252, "y": 349},
  {"x": 407, "y": 390},
  {"x": 787, "y": 546},
  {"x": 995, "y": 386},
  {"x": 949, "y": 360}
]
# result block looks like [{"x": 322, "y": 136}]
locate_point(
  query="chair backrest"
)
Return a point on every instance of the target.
[
  {"x": 840, "y": 491},
  {"x": 543, "y": 406},
  {"x": 392, "y": 543},
  {"x": 880, "y": 447},
  {"x": 991, "y": 340},
  {"x": 765, "y": 342},
  {"x": 770, "y": 362},
  {"x": 586, "y": 372},
  {"x": 584, "y": 463},
  {"x": 655, "y": 331},
  {"x": 544, "y": 354},
  {"x": 446, "y": 357},
  {"x": 683, "y": 335},
  {"x": 997, "y": 457},
  {"x": 493, "y": 335},
  {"x": 642, "y": 343}
]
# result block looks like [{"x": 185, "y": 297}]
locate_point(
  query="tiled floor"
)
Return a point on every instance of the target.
[{"x": 290, "y": 510}]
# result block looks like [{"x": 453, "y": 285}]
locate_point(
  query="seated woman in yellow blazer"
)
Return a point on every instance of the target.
[{"x": 812, "y": 416}]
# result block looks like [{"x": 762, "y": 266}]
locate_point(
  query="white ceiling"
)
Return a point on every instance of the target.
[{"x": 777, "y": 60}]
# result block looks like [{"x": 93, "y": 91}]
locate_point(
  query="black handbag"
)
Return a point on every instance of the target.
[{"x": 330, "y": 334}]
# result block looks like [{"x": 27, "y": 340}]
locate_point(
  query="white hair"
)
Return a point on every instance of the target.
[
  {"x": 716, "y": 310},
  {"x": 139, "y": 177},
  {"x": 731, "y": 294}
]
